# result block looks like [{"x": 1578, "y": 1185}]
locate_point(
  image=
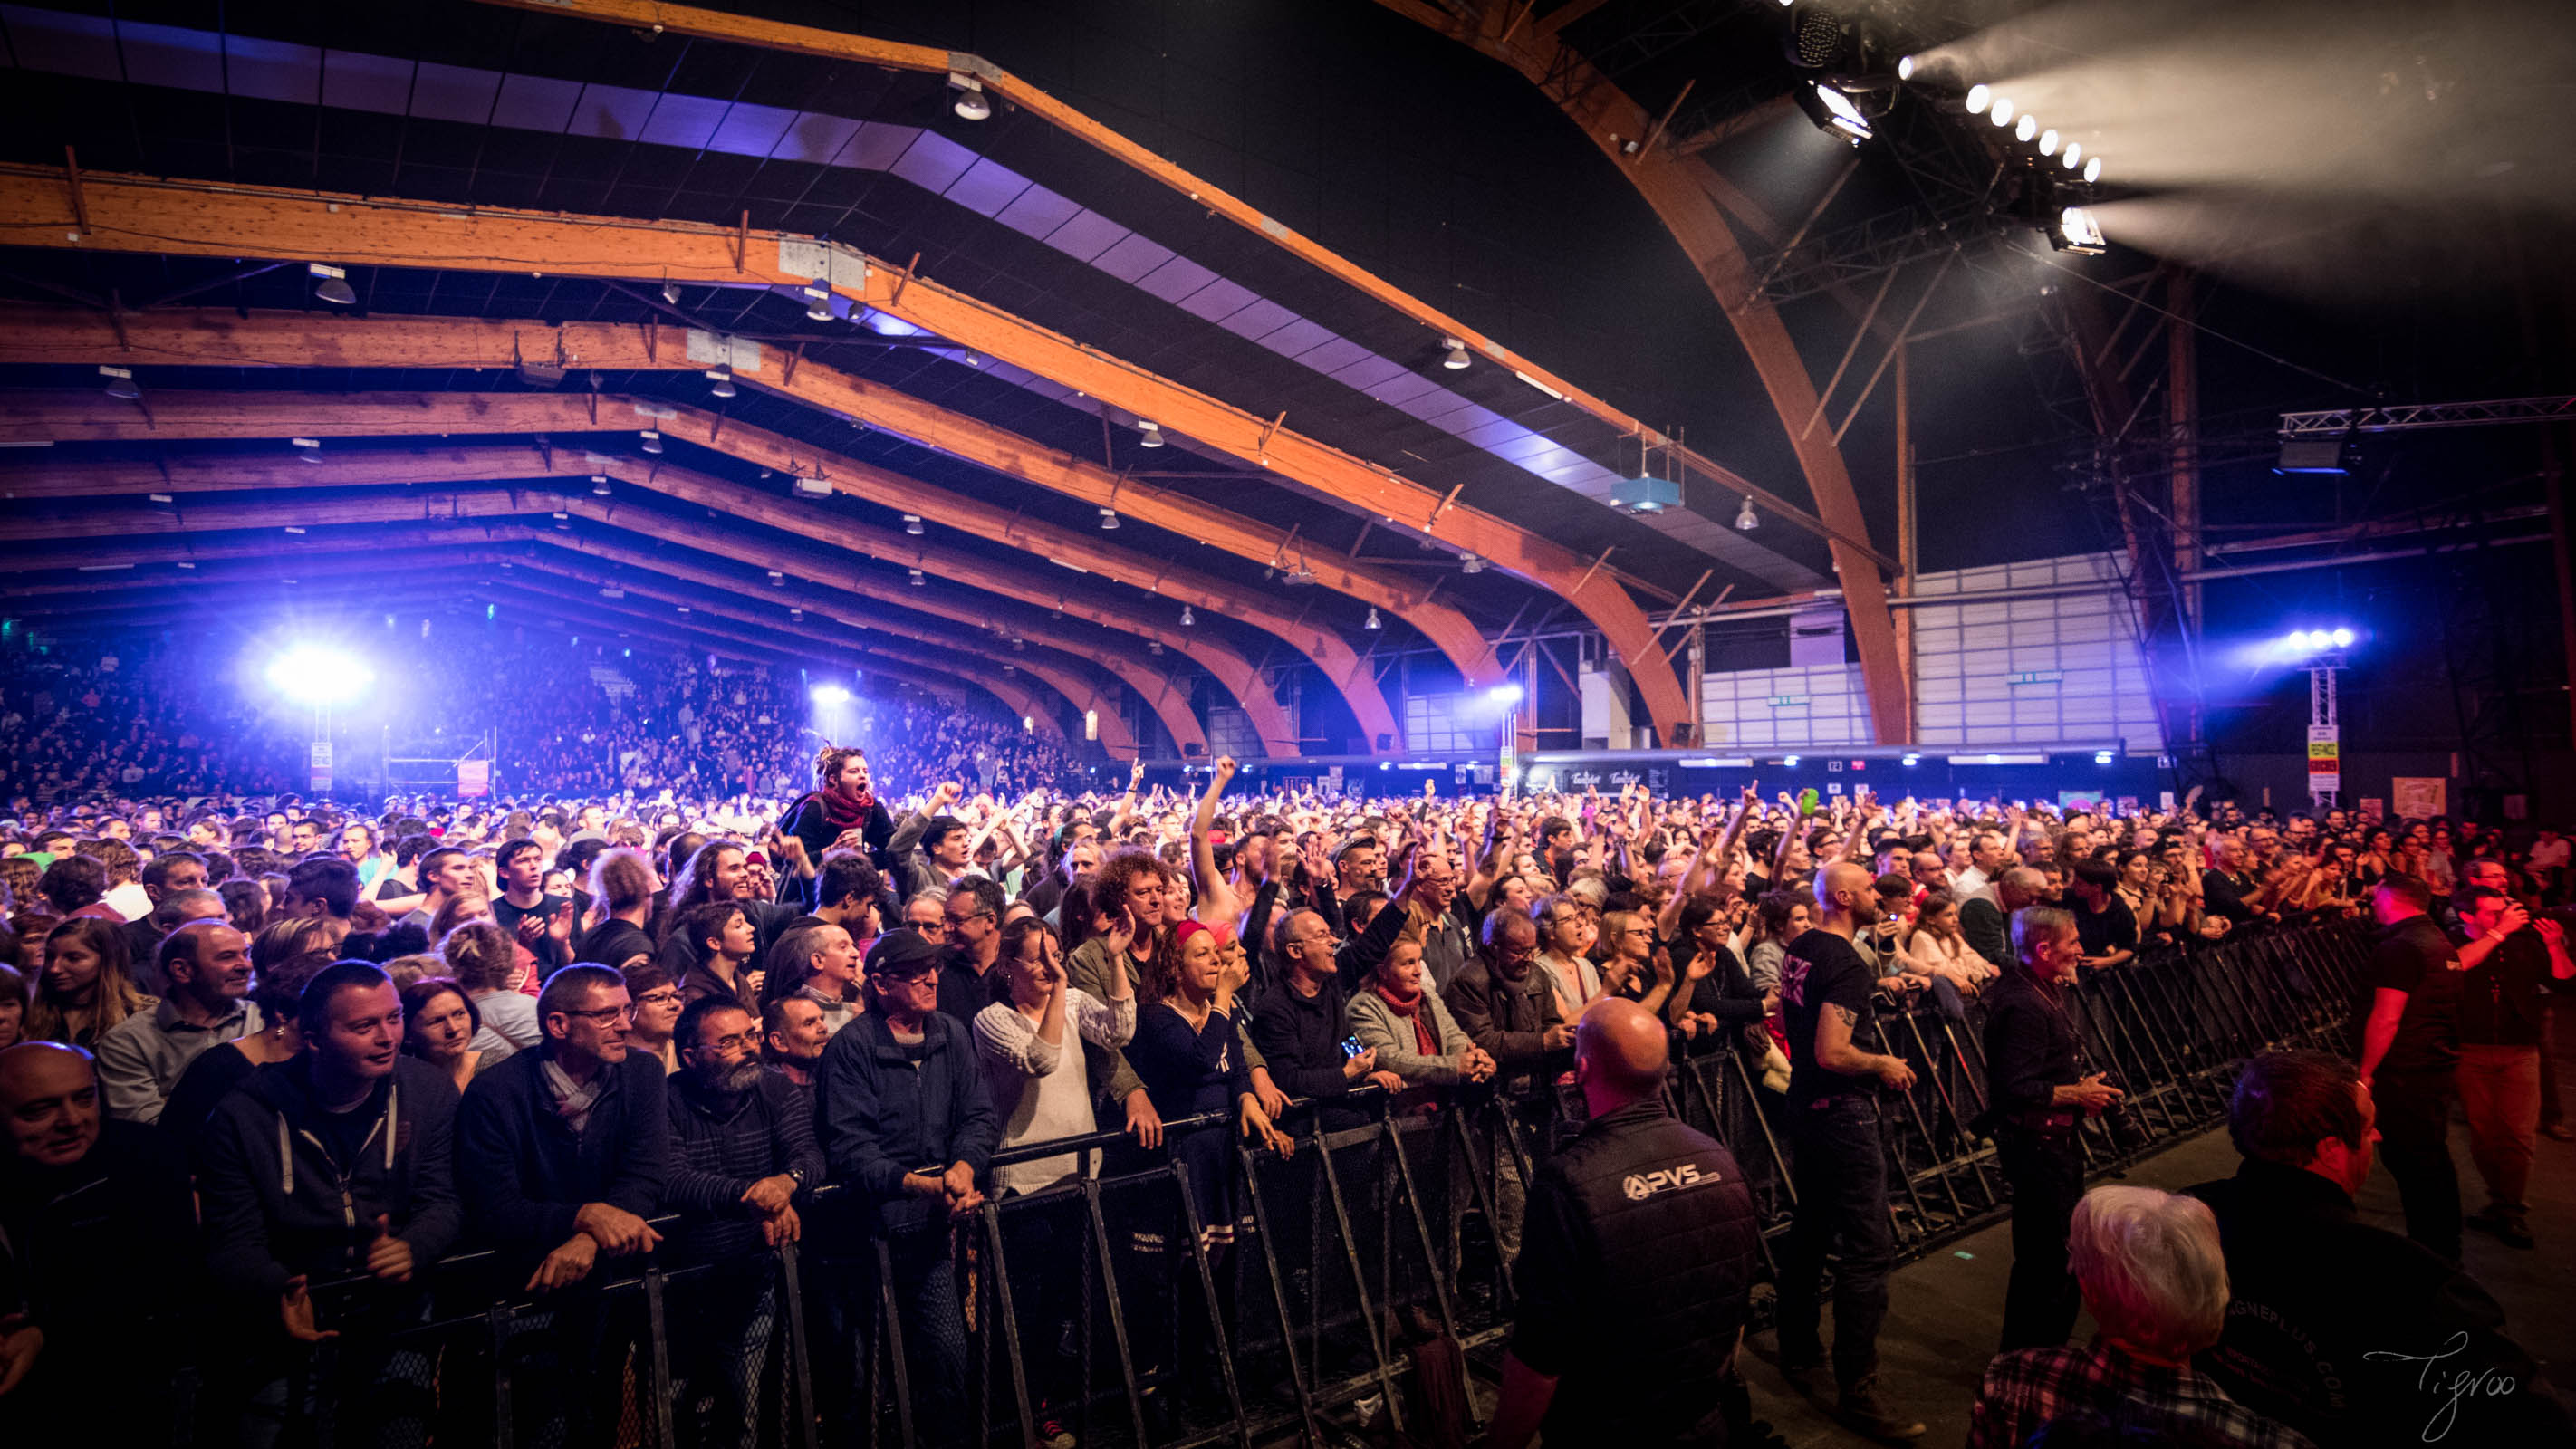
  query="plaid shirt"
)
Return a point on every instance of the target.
[{"x": 2031, "y": 1387}]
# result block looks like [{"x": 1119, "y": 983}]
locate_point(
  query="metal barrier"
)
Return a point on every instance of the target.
[{"x": 1129, "y": 1306}]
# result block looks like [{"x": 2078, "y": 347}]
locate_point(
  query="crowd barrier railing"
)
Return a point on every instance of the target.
[{"x": 1210, "y": 1292}]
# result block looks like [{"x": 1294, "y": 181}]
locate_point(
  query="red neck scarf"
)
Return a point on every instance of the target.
[
  {"x": 847, "y": 812},
  {"x": 1410, "y": 1008}
]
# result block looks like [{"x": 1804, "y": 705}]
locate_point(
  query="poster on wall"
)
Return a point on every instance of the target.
[
  {"x": 2071, "y": 801},
  {"x": 2420, "y": 797},
  {"x": 473, "y": 778}
]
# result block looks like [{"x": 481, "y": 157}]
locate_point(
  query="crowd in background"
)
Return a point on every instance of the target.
[{"x": 332, "y": 1041}]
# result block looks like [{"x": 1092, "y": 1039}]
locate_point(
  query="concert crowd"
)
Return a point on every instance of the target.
[{"x": 255, "y": 1047}]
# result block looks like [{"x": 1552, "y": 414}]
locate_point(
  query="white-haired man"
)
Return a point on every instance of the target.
[{"x": 2155, "y": 1277}]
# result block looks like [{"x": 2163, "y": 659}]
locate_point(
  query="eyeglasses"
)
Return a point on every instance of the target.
[
  {"x": 738, "y": 1041},
  {"x": 605, "y": 1014},
  {"x": 662, "y": 997},
  {"x": 977, "y": 916}
]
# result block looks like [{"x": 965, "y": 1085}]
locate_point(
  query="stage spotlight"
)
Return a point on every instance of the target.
[
  {"x": 2026, "y": 128},
  {"x": 1791, "y": 762},
  {"x": 2092, "y": 170},
  {"x": 830, "y": 696},
  {"x": 1152, "y": 434},
  {"x": 1905, "y": 69},
  {"x": 2342, "y": 638},
  {"x": 2074, "y": 156},
  {"x": 2079, "y": 233},
  {"x": 333, "y": 286},
  {"x": 1841, "y": 113},
  {"x": 2048, "y": 142},
  {"x": 970, "y": 103},
  {"x": 120, "y": 383},
  {"x": 1504, "y": 694},
  {"x": 2101, "y": 757},
  {"x": 314, "y": 675},
  {"x": 1913, "y": 760},
  {"x": 818, "y": 303},
  {"x": 1980, "y": 96},
  {"x": 1453, "y": 352},
  {"x": 1745, "y": 518},
  {"x": 2001, "y": 113},
  {"x": 1108, "y": 519},
  {"x": 671, "y": 293}
]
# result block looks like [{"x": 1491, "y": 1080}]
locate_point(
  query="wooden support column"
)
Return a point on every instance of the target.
[{"x": 1908, "y": 561}]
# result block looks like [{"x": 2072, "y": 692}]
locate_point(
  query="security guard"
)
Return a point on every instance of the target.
[
  {"x": 1636, "y": 1264},
  {"x": 2041, "y": 1094}
]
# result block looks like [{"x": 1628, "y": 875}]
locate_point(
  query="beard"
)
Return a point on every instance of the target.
[{"x": 733, "y": 1080}]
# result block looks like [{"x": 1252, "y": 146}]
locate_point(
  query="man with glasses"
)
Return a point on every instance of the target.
[
  {"x": 927, "y": 914},
  {"x": 742, "y": 1152},
  {"x": 973, "y": 916},
  {"x": 561, "y": 1155},
  {"x": 899, "y": 1091}
]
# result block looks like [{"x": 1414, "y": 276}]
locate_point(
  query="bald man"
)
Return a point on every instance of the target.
[
  {"x": 1826, "y": 993},
  {"x": 207, "y": 964},
  {"x": 94, "y": 1226},
  {"x": 1636, "y": 1264}
]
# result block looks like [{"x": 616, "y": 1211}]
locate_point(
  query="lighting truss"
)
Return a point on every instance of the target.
[{"x": 2411, "y": 417}]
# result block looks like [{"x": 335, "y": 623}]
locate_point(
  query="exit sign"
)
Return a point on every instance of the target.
[
  {"x": 2037, "y": 676},
  {"x": 1787, "y": 701}
]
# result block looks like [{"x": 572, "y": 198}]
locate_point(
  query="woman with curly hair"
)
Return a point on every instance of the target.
[
  {"x": 86, "y": 988},
  {"x": 842, "y": 812},
  {"x": 489, "y": 963}
]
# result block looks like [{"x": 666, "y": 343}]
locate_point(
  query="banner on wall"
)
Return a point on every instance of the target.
[
  {"x": 473, "y": 778},
  {"x": 2419, "y": 797}
]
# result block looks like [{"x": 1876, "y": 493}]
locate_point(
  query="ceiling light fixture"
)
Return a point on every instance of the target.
[
  {"x": 599, "y": 484},
  {"x": 1155, "y": 648},
  {"x": 1152, "y": 433},
  {"x": 333, "y": 286},
  {"x": 652, "y": 441},
  {"x": 722, "y": 377},
  {"x": 818, "y": 303},
  {"x": 1453, "y": 353},
  {"x": 120, "y": 383},
  {"x": 912, "y": 524},
  {"x": 308, "y": 449},
  {"x": 1108, "y": 519},
  {"x": 1188, "y": 619},
  {"x": 671, "y": 293},
  {"x": 915, "y": 576},
  {"x": 1745, "y": 518},
  {"x": 777, "y": 580},
  {"x": 1371, "y": 621},
  {"x": 970, "y": 103},
  {"x": 1472, "y": 564}
]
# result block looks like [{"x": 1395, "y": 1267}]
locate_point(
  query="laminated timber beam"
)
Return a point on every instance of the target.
[
  {"x": 1671, "y": 184},
  {"x": 195, "y": 415},
  {"x": 1215, "y": 200},
  {"x": 219, "y": 338},
  {"x": 163, "y": 217}
]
